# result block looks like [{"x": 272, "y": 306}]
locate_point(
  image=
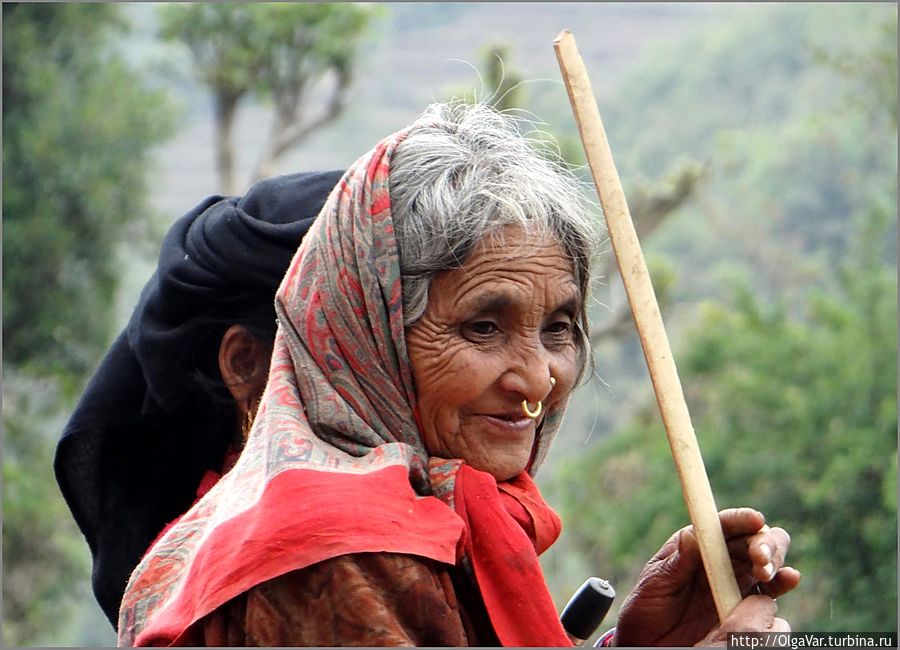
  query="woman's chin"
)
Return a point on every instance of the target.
[{"x": 503, "y": 470}]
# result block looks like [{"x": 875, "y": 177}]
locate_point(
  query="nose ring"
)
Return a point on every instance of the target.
[
  {"x": 540, "y": 405},
  {"x": 532, "y": 414}
]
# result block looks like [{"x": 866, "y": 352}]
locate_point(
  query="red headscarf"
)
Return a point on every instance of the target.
[{"x": 335, "y": 463}]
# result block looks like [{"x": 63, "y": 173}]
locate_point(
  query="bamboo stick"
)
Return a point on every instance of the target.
[{"x": 663, "y": 373}]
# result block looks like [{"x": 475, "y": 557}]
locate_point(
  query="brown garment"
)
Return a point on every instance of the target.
[{"x": 364, "y": 599}]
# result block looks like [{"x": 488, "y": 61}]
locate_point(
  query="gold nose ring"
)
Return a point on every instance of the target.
[
  {"x": 540, "y": 405},
  {"x": 529, "y": 413}
]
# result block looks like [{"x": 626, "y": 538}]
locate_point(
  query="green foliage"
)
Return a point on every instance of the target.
[
  {"x": 872, "y": 68},
  {"x": 801, "y": 414},
  {"x": 44, "y": 555},
  {"x": 221, "y": 40},
  {"x": 77, "y": 127},
  {"x": 241, "y": 48},
  {"x": 791, "y": 149},
  {"x": 796, "y": 416},
  {"x": 276, "y": 51}
]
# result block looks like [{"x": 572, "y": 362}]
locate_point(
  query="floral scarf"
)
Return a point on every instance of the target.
[{"x": 334, "y": 463}]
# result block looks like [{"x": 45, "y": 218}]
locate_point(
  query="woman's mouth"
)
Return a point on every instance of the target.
[{"x": 510, "y": 421}]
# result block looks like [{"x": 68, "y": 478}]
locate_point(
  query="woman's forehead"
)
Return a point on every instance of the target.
[
  {"x": 511, "y": 248},
  {"x": 502, "y": 274}
]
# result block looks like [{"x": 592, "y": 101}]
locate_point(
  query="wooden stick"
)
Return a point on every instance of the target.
[{"x": 669, "y": 395}]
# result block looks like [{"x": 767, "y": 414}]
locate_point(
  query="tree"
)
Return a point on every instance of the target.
[
  {"x": 276, "y": 51},
  {"x": 773, "y": 116},
  {"x": 77, "y": 127}
]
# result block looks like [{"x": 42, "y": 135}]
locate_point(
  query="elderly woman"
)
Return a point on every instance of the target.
[{"x": 431, "y": 328}]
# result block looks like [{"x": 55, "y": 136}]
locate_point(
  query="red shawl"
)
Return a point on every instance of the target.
[{"x": 334, "y": 463}]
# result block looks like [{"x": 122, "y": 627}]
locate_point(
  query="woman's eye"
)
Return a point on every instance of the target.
[
  {"x": 482, "y": 328},
  {"x": 559, "y": 328}
]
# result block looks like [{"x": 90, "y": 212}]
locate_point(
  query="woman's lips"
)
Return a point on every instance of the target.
[{"x": 509, "y": 421}]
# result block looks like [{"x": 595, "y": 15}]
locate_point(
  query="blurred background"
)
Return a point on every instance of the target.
[{"x": 758, "y": 148}]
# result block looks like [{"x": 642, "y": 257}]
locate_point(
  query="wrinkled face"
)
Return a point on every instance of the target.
[{"x": 493, "y": 334}]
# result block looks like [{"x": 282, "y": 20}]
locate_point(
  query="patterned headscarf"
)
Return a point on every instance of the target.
[{"x": 335, "y": 463}]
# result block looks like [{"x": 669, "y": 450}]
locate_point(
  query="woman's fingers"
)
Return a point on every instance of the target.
[
  {"x": 751, "y": 540},
  {"x": 738, "y": 526},
  {"x": 767, "y": 550},
  {"x": 741, "y": 521},
  {"x": 784, "y": 581},
  {"x": 676, "y": 562}
]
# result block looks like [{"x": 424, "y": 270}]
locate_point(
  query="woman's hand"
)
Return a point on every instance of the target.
[
  {"x": 753, "y": 614},
  {"x": 672, "y": 604}
]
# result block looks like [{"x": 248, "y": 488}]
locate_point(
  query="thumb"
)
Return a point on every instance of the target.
[{"x": 686, "y": 558}]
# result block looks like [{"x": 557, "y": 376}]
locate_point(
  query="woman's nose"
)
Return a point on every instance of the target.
[{"x": 530, "y": 378}]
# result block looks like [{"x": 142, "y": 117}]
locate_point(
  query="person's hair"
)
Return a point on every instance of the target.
[{"x": 463, "y": 175}]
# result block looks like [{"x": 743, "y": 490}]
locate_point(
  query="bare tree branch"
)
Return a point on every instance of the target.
[
  {"x": 650, "y": 208},
  {"x": 285, "y": 136}
]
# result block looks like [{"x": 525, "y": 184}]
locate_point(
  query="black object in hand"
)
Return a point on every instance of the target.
[{"x": 586, "y": 609}]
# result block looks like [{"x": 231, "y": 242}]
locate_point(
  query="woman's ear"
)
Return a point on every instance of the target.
[{"x": 244, "y": 364}]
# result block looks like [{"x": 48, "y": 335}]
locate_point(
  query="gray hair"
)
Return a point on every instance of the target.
[{"x": 464, "y": 172}]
